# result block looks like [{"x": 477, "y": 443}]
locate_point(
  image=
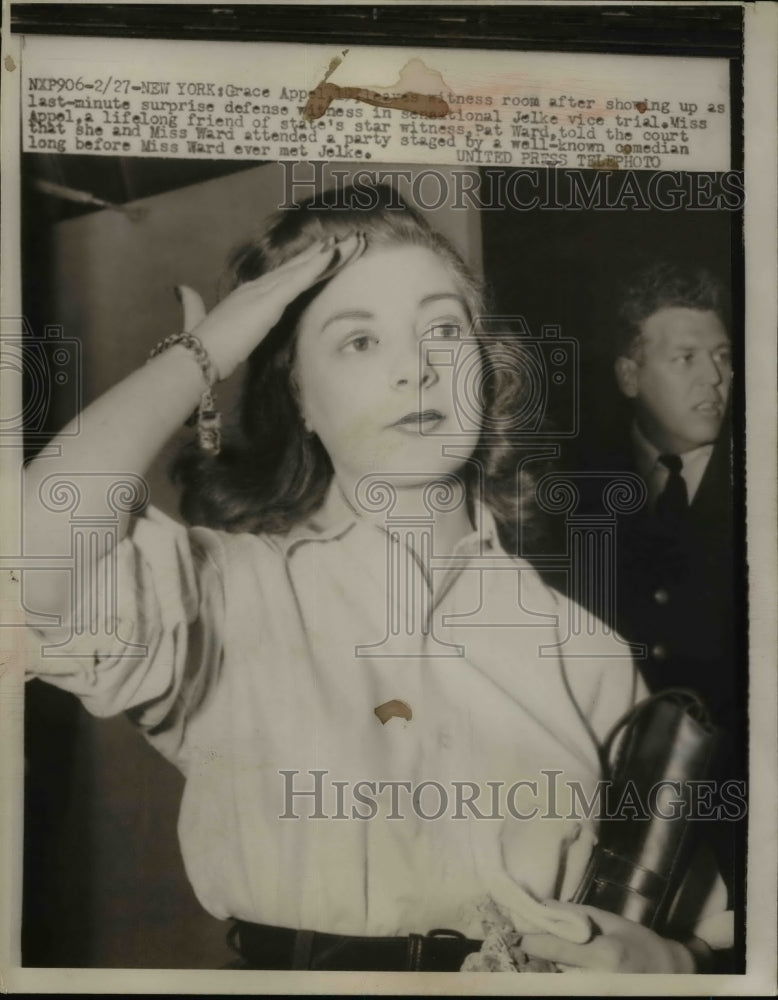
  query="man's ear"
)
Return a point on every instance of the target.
[{"x": 626, "y": 371}]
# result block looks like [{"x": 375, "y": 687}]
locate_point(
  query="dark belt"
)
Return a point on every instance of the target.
[{"x": 265, "y": 947}]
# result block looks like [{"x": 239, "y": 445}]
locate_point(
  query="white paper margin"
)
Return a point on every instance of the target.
[{"x": 761, "y": 117}]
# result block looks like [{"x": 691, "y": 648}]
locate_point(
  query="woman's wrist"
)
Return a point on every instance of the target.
[
  {"x": 202, "y": 357},
  {"x": 206, "y": 418}
]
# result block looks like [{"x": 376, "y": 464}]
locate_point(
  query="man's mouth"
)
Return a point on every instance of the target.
[
  {"x": 418, "y": 420},
  {"x": 709, "y": 407}
]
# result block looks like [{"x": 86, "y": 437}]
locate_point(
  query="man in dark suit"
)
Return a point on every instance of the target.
[{"x": 675, "y": 573}]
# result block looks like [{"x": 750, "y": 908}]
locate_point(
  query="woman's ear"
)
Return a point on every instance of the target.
[{"x": 626, "y": 371}]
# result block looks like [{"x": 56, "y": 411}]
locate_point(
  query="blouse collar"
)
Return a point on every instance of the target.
[{"x": 336, "y": 517}]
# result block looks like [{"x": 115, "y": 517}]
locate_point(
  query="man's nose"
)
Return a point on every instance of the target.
[{"x": 711, "y": 370}]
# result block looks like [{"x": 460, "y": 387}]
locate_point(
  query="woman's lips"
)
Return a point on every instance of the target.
[{"x": 417, "y": 421}]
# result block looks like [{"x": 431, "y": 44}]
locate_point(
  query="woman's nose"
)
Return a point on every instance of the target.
[
  {"x": 413, "y": 370},
  {"x": 425, "y": 380}
]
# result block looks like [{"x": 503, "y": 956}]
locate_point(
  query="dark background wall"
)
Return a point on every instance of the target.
[{"x": 565, "y": 267}]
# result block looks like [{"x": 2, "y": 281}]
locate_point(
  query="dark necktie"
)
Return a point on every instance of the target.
[{"x": 673, "y": 502}]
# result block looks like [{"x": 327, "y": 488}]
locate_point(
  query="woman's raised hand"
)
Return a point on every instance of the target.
[
  {"x": 122, "y": 430},
  {"x": 233, "y": 328}
]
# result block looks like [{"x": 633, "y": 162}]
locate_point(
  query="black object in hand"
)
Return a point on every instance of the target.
[{"x": 635, "y": 870}]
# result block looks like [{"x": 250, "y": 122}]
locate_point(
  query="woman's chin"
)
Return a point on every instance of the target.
[{"x": 415, "y": 470}]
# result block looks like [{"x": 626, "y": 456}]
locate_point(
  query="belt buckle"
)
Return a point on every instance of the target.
[
  {"x": 419, "y": 946},
  {"x": 415, "y": 952}
]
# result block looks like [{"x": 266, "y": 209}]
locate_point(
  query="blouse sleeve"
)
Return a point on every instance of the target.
[{"x": 158, "y": 649}]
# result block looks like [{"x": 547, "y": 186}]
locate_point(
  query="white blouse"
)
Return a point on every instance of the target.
[{"x": 266, "y": 658}]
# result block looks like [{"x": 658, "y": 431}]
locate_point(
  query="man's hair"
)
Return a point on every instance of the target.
[{"x": 662, "y": 285}]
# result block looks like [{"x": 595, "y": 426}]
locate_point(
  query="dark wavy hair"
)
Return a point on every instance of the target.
[
  {"x": 661, "y": 285},
  {"x": 273, "y": 473}
]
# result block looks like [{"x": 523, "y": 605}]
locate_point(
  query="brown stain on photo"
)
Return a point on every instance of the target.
[
  {"x": 606, "y": 163},
  {"x": 394, "y": 709},
  {"x": 414, "y": 72}
]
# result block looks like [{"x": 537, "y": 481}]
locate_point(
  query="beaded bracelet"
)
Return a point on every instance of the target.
[{"x": 206, "y": 417}]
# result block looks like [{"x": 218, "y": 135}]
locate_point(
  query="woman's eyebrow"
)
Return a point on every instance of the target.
[
  {"x": 443, "y": 295},
  {"x": 348, "y": 314}
]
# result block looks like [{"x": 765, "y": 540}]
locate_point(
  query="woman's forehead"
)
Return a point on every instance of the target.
[{"x": 392, "y": 277}]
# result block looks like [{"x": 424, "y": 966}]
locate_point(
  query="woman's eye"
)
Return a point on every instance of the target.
[
  {"x": 447, "y": 331},
  {"x": 359, "y": 343}
]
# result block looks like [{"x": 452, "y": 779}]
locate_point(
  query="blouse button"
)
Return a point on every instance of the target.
[
  {"x": 659, "y": 652},
  {"x": 661, "y": 596}
]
